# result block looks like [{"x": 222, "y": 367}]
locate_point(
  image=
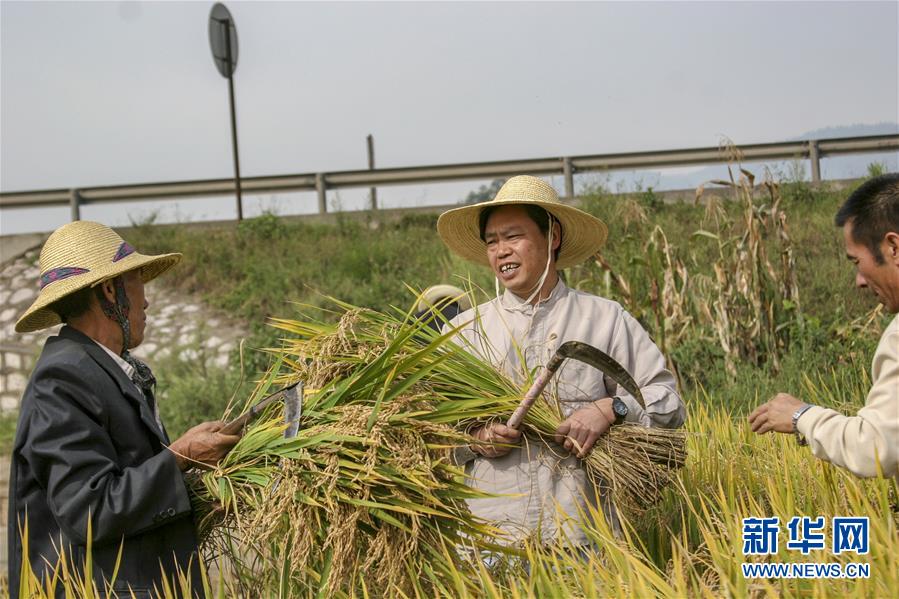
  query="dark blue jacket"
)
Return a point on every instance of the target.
[{"x": 87, "y": 445}]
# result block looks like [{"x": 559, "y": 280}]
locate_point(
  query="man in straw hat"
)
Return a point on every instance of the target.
[
  {"x": 526, "y": 236},
  {"x": 866, "y": 444},
  {"x": 91, "y": 457}
]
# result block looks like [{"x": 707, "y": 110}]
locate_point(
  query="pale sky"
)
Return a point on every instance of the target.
[{"x": 101, "y": 93}]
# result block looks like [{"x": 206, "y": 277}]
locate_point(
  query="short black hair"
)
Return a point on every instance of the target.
[
  {"x": 75, "y": 304},
  {"x": 873, "y": 209},
  {"x": 537, "y": 214}
]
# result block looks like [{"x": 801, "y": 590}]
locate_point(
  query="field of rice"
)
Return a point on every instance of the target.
[{"x": 747, "y": 296}]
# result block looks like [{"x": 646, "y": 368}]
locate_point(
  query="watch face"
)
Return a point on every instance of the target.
[{"x": 619, "y": 408}]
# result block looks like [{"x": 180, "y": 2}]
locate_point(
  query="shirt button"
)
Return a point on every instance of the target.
[{"x": 552, "y": 336}]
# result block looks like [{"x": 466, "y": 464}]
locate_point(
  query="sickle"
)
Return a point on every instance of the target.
[{"x": 582, "y": 352}]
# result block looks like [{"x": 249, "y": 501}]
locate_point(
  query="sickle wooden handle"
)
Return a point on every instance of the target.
[
  {"x": 535, "y": 390},
  {"x": 235, "y": 426}
]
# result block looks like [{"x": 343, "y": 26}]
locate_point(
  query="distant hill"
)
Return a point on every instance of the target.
[
  {"x": 850, "y": 131},
  {"x": 838, "y": 167}
]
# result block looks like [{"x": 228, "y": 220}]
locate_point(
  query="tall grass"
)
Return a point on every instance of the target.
[
  {"x": 689, "y": 544},
  {"x": 253, "y": 270}
]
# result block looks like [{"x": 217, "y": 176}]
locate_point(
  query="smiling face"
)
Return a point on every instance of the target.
[
  {"x": 517, "y": 251},
  {"x": 882, "y": 279}
]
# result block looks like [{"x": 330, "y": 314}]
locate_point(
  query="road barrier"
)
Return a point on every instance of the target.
[{"x": 567, "y": 166}]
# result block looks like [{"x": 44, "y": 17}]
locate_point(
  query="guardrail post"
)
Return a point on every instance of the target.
[
  {"x": 568, "y": 173},
  {"x": 371, "y": 166},
  {"x": 814, "y": 158},
  {"x": 75, "y": 204},
  {"x": 321, "y": 189}
]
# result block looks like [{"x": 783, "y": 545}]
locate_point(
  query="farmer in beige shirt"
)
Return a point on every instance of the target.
[
  {"x": 866, "y": 444},
  {"x": 525, "y": 235}
]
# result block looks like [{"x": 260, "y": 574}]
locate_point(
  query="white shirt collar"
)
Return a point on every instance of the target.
[
  {"x": 125, "y": 366},
  {"x": 510, "y": 301}
]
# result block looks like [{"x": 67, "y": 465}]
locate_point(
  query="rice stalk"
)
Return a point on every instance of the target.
[
  {"x": 368, "y": 485},
  {"x": 689, "y": 545}
]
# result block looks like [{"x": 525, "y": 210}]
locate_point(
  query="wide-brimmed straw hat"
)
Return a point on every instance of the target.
[
  {"x": 83, "y": 254},
  {"x": 582, "y": 233}
]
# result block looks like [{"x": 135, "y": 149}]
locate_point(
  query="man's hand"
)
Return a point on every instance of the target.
[
  {"x": 202, "y": 445},
  {"x": 490, "y": 435},
  {"x": 776, "y": 415},
  {"x": 580, "y": 431}
]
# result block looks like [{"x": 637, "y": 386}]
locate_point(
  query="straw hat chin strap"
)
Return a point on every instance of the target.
[
  {"x": 118, "y": 312},
  {"x": 542, "y": 280}
]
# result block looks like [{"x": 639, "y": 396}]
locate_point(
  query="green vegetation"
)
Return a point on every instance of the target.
[
  {"x": 797, "y": 325},
  {"x": 689, "y": 545},
  {"x": 256, "y": 269},
  {"x": 194, "y": 390},
  {"x": 7, "y": 432}
]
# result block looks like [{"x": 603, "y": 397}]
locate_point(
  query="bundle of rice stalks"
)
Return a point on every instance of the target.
[
  {"x": 636, "y": 461},
  {"x": 368, "y": 486}
]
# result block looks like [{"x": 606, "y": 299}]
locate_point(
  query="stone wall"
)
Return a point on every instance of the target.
[
  {"x": 18, "y": 288},
  {"x": 176, "y": 324}
]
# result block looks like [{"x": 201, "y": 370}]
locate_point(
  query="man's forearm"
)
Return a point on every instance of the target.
[{"x": 862, "y": 444}]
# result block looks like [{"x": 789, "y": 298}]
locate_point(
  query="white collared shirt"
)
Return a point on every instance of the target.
[
  {"x": 129, "y": 372},
  {"x": 870, "y": 438},
  {"x": 125, "y": 366},
  {"x": 534, "y": 479}
]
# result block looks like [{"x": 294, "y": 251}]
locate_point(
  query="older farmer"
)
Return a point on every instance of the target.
[
  {"x": 866, "y": 444},
  {"x": 91, "y": 456},
  {"x": 526, "y": 235}
]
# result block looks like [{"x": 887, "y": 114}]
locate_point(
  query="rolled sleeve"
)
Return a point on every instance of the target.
[
  {"x": 640, "y": 356},
  {"x": 866, "y": 444}
]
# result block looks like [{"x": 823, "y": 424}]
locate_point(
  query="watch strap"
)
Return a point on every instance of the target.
[
  {"x": 619, "y": 418},
  {"x": 799, "y": 412}
]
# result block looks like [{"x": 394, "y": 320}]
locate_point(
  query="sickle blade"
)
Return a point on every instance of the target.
[
  {"x": 293, "y": 410},
  {"x": 603, "y": 362}
]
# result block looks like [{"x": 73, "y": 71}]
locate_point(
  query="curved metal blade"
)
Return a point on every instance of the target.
[
  {"x": 603, "y": 362},
  {"x": 293, "y": 410}
]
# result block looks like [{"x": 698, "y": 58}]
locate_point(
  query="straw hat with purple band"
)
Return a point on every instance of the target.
[
  {"x": 84, "y": 254},
  {"x": 582, "y": 234}
]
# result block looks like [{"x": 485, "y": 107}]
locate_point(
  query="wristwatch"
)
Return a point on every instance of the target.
[
  {"x": 619, "y": 408},
  {"x": 800, "y": 439}
]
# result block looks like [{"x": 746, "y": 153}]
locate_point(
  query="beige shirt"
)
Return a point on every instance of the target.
[
  {"x": 858, "y": 442},
  {"x": 536, "y": 477}
]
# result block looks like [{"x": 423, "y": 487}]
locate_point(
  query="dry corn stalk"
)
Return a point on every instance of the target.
[{"x": 743, "y": 302}]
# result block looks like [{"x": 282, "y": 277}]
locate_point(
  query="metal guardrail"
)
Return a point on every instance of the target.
[{"x": 566, "y": 166}]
